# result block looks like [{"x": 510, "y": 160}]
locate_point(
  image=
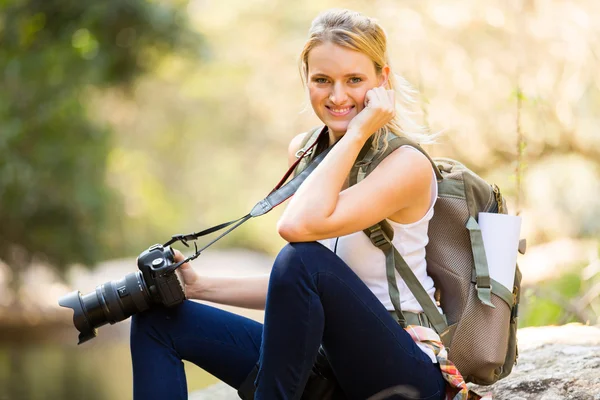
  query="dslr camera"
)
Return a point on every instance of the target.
[{"x": 157, "y": 283}]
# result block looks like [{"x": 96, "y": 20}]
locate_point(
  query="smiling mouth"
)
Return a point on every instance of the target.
[{"x": 339, "y": 111}]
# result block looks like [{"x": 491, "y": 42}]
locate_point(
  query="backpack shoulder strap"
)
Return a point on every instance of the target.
[
  {"x": 394, "y": 261},
  {"x": 381, "y": 235}
]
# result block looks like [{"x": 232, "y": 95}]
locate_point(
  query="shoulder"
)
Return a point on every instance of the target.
[
  {"x": 408, "y": 168},
  {"x": 407, "y": 159}
]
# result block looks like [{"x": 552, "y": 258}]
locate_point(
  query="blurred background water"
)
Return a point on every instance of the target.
[
  {"x": 124, "y": 122},
  {"x": 53, "y": 370}
]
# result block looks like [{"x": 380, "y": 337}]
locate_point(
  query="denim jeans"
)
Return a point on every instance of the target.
[{"x": 313, "y": 299}]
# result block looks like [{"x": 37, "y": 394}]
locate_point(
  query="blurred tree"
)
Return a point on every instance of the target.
[{"x": 54, "y": 202}]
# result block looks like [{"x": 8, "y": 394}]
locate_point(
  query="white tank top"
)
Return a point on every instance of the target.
[{"x": 368, "y": 262}]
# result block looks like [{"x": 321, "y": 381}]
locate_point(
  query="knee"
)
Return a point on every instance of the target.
[{"x": 293, "y": 262}]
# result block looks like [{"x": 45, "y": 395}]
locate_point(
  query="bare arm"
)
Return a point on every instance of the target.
[
  {"x": 319, "y": 210},
  {"x": 246, "y": 292}
]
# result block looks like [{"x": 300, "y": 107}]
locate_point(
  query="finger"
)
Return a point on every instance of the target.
[
  {"x": 370, "y": 98},
  {"x": 185, "y": 266},
  {"x": 177, "y": 255},
  {"x": 381, "y": 98},
  {"x": 382, "y": 95}
]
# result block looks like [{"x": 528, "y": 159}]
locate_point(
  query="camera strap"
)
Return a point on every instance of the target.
[{"x": 278, "y": 195}]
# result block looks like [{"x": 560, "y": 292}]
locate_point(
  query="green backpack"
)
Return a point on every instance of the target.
[{"x": 479, "y": 327}]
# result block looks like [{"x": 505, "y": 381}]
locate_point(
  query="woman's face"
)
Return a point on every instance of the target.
[{"x": 338, "y": 80}]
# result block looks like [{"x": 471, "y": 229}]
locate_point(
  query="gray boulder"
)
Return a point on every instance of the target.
[{"x": 555, "y": 362}]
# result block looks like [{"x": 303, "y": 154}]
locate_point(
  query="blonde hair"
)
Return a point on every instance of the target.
[{"x": 358, "y": 32}]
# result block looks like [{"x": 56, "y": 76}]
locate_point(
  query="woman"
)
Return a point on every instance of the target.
[{"x": 328, "y": 285}]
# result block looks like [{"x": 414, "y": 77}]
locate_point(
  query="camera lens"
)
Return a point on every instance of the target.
[{"x": 111, "y": 302}]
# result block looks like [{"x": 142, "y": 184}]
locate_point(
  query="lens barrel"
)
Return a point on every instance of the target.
[{"x": 111, "y": 302}]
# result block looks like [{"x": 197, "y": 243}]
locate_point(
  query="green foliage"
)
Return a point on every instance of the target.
[
  {"x": 56, "y": 205},
  {"x": 66, "y": 43},
  {"x": 552, "y": 302}
]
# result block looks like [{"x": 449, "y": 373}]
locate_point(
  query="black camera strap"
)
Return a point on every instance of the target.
[{"x": 278, "y": 195}]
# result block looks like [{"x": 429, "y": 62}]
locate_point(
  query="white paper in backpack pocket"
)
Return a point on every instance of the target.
[{"x": 501, "y": 242}]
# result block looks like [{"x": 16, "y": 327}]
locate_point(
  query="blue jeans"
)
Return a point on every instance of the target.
[{"x": 313, "y": 299}]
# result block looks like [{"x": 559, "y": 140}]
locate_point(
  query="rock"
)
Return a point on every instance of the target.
[
  {"x": 555, "y": 362},
  {"x": 219, "y": 391}
]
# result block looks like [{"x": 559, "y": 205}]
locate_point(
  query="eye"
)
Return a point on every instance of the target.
[
  {"x": 320, "y": 80},
  {"x": 355, "y": 79}
]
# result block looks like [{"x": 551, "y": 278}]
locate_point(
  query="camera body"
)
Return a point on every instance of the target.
[
  {"x": 164, "y": 285},
  {"x": 156, "y": 283}
]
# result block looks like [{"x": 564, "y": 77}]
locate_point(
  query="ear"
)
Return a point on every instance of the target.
[{"x": 384, "y": 76}]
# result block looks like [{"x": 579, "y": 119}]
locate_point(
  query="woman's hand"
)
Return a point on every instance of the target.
[
  {"x": 380, "y": 108},
  {"x": 189, "y": 275},
  {"x": 246, "y": 292}
]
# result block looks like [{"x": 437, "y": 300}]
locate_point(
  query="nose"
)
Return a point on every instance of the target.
[{"x": 338, "y": 94}]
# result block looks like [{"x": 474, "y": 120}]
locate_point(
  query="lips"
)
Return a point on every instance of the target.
[{"x": 339, "y": 111}]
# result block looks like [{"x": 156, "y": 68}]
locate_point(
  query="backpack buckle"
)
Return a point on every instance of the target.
[
  {"x": 378, "y": 237},
  {"x": 483, "y": 282}
]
